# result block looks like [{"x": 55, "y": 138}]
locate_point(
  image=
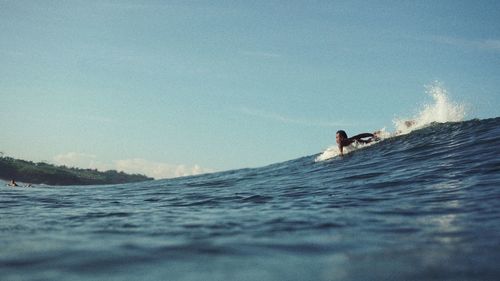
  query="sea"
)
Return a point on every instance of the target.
[{"x": 423, "y": 203}]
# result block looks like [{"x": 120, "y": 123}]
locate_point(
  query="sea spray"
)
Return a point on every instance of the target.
[{"x": 441, "y": 110}]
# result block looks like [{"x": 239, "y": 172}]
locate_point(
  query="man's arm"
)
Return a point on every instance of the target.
[{"x": 360, "y": 137}]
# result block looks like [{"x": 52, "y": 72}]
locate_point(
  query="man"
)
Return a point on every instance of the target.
[
  {"x": 343, "y": 140},
  {"x": 12, "y": 183}
]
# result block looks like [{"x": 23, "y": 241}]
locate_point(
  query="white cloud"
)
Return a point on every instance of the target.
[
  {"x": 489, "y": 44},
  {"x": 157, "y": 170},
  {"x": 286, "y": 119},
  {"x": 267, "y": 55},
  {"x": 75, "y": 159}
]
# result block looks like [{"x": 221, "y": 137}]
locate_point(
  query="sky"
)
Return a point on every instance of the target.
[{"x": 175, "y": 88}]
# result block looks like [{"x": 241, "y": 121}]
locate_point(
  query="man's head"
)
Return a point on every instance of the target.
[{"x": 340, "y": 136}]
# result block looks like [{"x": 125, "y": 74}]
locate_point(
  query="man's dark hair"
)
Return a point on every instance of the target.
[{"x": 342, "y": 133}]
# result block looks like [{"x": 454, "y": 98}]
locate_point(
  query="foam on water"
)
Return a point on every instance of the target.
[{"x": 441, "y": 110}]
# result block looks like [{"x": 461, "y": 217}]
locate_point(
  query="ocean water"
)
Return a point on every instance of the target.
[{"x": 418, "y": 205}]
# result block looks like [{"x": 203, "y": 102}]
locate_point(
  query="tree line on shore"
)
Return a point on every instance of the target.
[{"x": 44, "y": 173}]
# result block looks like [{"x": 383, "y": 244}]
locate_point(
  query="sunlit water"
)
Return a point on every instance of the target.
[{"x": 421, "y": 206}]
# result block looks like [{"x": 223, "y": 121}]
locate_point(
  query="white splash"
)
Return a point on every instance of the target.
[
  {"x": 330, "y": 152},
  {"x": 441, "y": 110}
]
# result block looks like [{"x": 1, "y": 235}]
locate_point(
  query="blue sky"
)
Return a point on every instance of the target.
[{"x": 173, "y": 88}]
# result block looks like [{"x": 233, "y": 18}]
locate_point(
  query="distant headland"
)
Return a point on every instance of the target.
[{"x": 43, "y": 173}]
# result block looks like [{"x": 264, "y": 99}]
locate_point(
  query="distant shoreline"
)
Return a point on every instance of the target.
[{"x": 42, "y": 173}]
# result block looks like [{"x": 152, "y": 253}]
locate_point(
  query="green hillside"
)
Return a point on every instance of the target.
[{"x": 43, "y": 173}]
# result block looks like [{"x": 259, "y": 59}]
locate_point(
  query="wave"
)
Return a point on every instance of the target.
[
  {"x": 441, "y": 110},
  {"x": 430, "y": 195}
]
